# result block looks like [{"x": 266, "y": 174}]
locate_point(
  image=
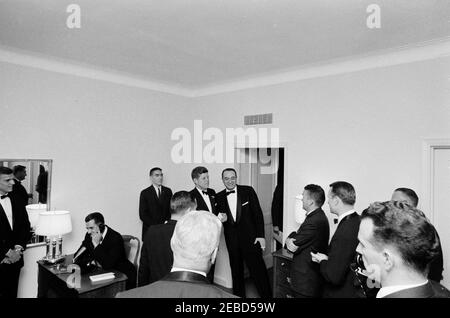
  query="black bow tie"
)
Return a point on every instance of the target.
[
  {"x": 4, "y": 196},
  {"x": 232, "y": 191},
  {"x": 205, "y": 192},
  {"x": 335, "y": 221}
]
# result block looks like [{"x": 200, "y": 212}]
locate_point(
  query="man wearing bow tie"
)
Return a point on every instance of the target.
[
  {"x": 14, "y": 235},
  {"x": 244, "y": 234},
  {"x": 205, "y": 198}
]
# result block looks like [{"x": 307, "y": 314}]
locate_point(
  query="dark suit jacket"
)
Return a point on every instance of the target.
[
  {"x": 20, "y": 193},
  {"x": 20, "y": 233},
  {"x": 340, "y": 280},
  {"x": 429, "y": 290},
  {"x": 305, "y": 274},
  {"x": 154, "y": 210},
  {"x": 201, "y": 205},
  {"x": 249, "y": 223},
  {"x": 156, "y": 254},
  {"x": 436, "y": 266},
  {"x": 178, "y": 285},
  {"x": 110, "y": 254}
]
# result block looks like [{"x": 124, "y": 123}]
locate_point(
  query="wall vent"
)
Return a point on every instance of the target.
[{"x": 260, "y": 119}]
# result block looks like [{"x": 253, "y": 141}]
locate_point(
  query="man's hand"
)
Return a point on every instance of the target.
[
  {"x": 222, "y": 217},
  {"x": 261, "y": 241},
  {"x": 276, "y": 229},
  {"x": 290, "y": 244},
  {"x": 318, "y": 257},
  {"x": 12, "y": 256},
  {"x": 96, "y": 238}
]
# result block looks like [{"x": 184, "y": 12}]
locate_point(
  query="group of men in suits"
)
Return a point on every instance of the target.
[
  {"x": 237, "y": 207},
  {"x": 381, "y": 237}
]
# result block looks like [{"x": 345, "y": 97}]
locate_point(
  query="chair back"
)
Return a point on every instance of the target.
[{"x": 132, "y": 246}]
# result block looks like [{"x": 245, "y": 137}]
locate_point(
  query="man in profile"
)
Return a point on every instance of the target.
[
  {"x": 312, "y": 235},
  {"x": 154, "y": 202},
  {"x": 156, "y": 254},
  {"x": 14, "y": 235},
  {"x": 103, "y": 247},
  {"x": 19, "y": 191},
  {"x": 397, "y": 243},
  {"x": 335, "y": 265},
  {"x": 194, "y": 243},
  {"x": 437, "y": 264}
]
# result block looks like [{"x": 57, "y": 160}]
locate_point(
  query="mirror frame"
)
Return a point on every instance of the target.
[{"x": 49, "y": 186}]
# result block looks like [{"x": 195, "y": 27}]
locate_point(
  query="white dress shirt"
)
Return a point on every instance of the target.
[
  {"x": 179, "y": 269},
  {"x": 6, "y": 204},
  {"x": 384, "y": 291},
  {"x": 232, "y": 202},
  {"x": 206, "y": 199},
  {"x": 156, "y": 190}
]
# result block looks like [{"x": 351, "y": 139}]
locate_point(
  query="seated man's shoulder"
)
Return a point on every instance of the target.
[{"x": 439, "y": 290}]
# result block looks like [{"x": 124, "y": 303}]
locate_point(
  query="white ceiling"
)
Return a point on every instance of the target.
[{"x": 199, "y": 43}]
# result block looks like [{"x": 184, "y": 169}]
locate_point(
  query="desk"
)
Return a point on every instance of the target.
[
  {"x": 52, "y": 283},
  {"x": 282, "y": 260}
]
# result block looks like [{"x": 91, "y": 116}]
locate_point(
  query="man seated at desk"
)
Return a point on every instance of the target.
[{"x": 104, "y": 247}]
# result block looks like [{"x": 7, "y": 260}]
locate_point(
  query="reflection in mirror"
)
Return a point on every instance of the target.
[{"x": 32, "y": 178}]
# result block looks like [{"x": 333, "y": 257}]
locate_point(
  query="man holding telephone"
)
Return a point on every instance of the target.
[{"x": 103, "y": 247}]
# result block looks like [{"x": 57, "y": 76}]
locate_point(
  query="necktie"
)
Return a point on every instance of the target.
[
  {"x": 159, "y": 192},
  {"x": 4, "y": 196},
  {"x": 232, "y": 191}
]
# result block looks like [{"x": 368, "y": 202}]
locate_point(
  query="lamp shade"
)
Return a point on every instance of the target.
[
  {"x": 33, "y": 211},
  {"x": 53, "y": 223}
]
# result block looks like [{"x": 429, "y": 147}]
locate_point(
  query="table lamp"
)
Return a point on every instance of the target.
[
  {"x": 53, "y": 224},
  {"x": 33, "y": 211}
]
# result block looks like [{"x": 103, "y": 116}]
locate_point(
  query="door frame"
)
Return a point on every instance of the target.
[{"x": 429, "y": 146}]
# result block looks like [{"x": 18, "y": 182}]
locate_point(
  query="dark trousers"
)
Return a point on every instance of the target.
[
  {"x": 9, "y": 280},
  {"x": 252, "y": 256}
]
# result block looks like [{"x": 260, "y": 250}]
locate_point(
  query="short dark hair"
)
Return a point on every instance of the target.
[
  {"x": 411, "y": 194},
  {"x": 344, "y": 191},
  {"x": 316, "y": 193},
  {"x": 154, "y": 169},
  {"x": 182, "y": 200},
  {"x": 96, "y": 216},
  {"x": 197, "y": 171},
  {"x": 18, "y": 168},
  {"x": 407, "y": 229},
  {"x": 229, "y": 169},
  {"x": 5, "y": 170}
]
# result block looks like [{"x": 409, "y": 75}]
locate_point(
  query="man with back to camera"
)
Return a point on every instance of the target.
[
  {"x": 194, "y": 243},
  {"x": 104, "y": 247},
  {"x": 312, "y": 235},
  {"x": 244, "y": 234},
  {"x": 154, "y": 201},
  {"x": 397, "y": 243},
  {"x": 156, "y": 255},
  {"x": 340, "y": 280},
  {"x": 14, "y": 235},
  {"x": 437, "y": 264}
]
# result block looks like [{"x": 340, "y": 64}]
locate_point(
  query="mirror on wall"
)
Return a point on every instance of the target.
[{"x": 35, "y": 176}]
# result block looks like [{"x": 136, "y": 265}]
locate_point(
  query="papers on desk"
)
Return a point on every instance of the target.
[{"x": 101, "y": 277}]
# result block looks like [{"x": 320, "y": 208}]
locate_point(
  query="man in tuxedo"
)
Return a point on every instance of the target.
[
  {"x": 14, "y": 235},
  {"x": 437, "y": 264},
  {"x": 104, "y": 247},
  {"x": 244, "y": 234},
  {"x": 397, "y": 242},
  {"x": 194, "y": 243},
  {"x": 312, "y": 235},
  {"x": 19, "y": 191},
  {"x": 340, "y": 280},
  {"x": 156, "y": 254},
  {"x": 154, "y": 202},
  {"x": 205, "y": 196}
]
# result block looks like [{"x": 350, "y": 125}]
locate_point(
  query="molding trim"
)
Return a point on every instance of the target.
[
  {"x": 395, "y": 56},
  {"x": 57, "y": 65}
]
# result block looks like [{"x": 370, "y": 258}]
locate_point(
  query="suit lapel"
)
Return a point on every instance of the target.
[{"x": 238, "y": 204}]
